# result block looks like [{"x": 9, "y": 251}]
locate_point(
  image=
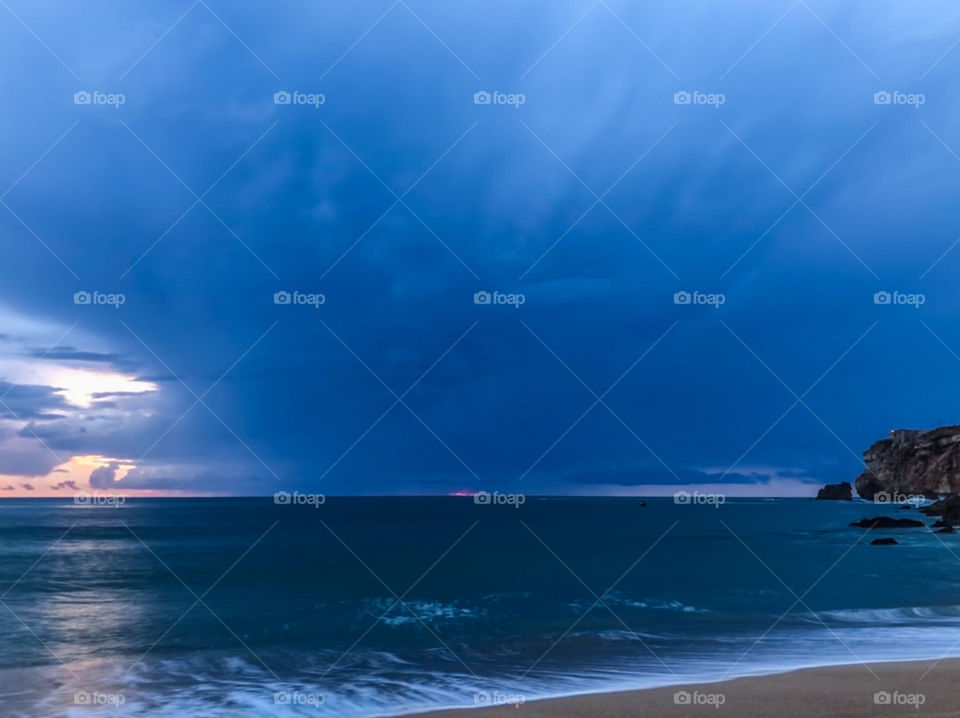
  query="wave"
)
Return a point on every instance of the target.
[
  {"x": 889, "y": 616},
  {"x": 392, "y": 613},
  {"x": 653, "y": 604},
  {"x": 378, "y": 683}
]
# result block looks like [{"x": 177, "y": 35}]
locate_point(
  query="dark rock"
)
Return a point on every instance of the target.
[
  {"x": 935, "y": 509},
  {"x": 885, "y": 522},
  {"x": 836, "y": 492},
  {"x": 643, "y": 503},
  {"x": 912, "y": 463},
  {"x": 948, "y": 508},
  {"x": 868, "y": 485},
  {"x": 946, "y": 530},
  {"x": 884, "y": 542}
]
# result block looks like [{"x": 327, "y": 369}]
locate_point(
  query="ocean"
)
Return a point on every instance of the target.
[{"x": 383, "y": 606}]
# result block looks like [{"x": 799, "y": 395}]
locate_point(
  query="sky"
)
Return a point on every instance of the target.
[{"x": 544, "y": 247}]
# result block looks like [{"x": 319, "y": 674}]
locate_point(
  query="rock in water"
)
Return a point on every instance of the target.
[
  {"x": 912, "y": 463},
  {"x": 836, "y": 492},
  {"x": 949, "y": 508},
  {"x": 885, "y": 522},
  {"x": 884, "y": 542}
]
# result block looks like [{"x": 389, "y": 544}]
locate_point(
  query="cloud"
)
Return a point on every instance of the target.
[
  {"x": 72, "y": 354},
  {"x": 104, "y": 477},
  {"x": 182, "y": 478},
  {"x": 25, "y": 457},
  {"x": 27, "y": 487},
  {"x": 659, "y": 475},
  {"x": 192, "y": 479},
  {"x": 30, "y": 401},
  {"x": 308, "y": 398}
]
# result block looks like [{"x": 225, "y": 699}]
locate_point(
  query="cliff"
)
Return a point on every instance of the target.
[{"x": 912, "y": 462}]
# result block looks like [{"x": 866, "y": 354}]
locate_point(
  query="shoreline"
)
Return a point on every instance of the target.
[{"x": 906, "y": 688}]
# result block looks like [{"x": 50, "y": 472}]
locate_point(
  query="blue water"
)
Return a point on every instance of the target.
[{"x": 300, "y": 601}]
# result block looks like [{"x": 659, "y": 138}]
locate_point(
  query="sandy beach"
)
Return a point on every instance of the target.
[{"x": 886, "y": 689}]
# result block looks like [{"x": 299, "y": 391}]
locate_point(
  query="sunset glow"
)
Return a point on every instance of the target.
[{"x": 67, "y": 479}]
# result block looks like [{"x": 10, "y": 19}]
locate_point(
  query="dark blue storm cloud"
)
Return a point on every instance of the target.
[{"x": 717, "y": 242}]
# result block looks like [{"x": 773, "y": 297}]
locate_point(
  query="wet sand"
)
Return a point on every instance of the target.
[{"x": 855, "y": 691}]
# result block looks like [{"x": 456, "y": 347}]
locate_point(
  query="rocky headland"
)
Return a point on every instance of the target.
[
  {"x": 908, "y": 468},
  {"x": 912, "y": 463}
]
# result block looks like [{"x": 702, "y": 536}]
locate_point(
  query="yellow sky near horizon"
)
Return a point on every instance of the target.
[{"x": 77, "y": 469}]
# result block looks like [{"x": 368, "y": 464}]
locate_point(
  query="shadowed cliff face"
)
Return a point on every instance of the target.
[{"x": 913, "y": 462}]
